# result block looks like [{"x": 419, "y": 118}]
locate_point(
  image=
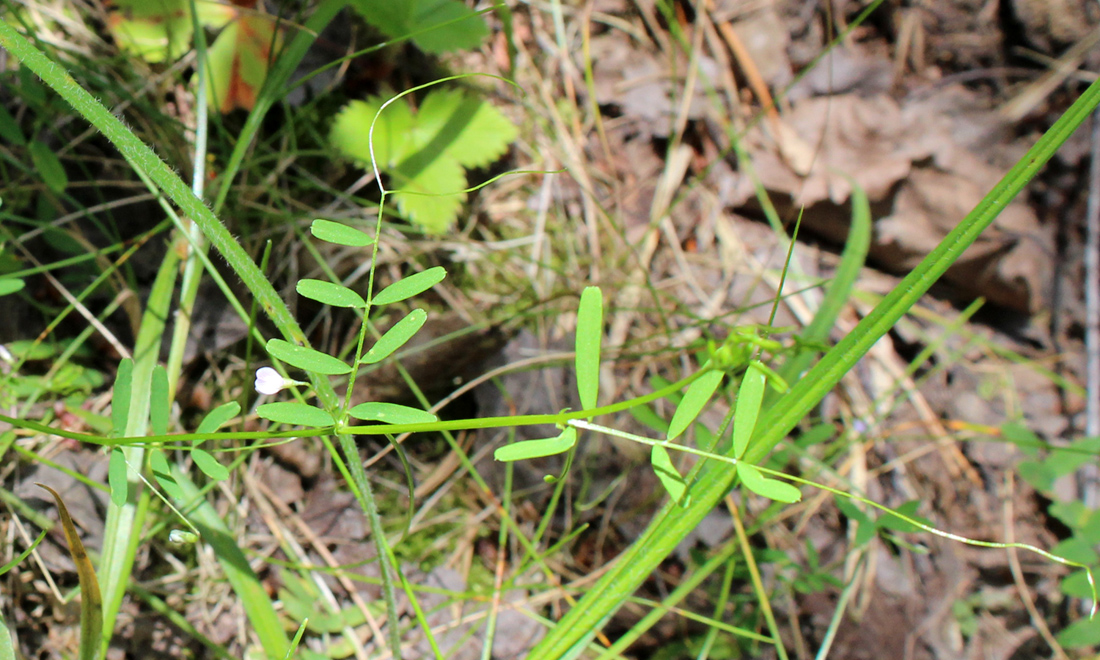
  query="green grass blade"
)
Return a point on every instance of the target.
[
  {"x": 713, "y": 480},
  {"x": 246, "y": 584}
]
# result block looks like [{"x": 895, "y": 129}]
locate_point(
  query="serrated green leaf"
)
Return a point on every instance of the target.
[
  {"x": 459, "y": 26},
  {"x": 351, "y": 131},
  {"x": 525, "y": 449},
  {"x": 217, "y": 417},
  {"x": 48, "y": 166},
  {"x": 9, "y": 285},
  {"x": 391, "y": 413},
  {"x": 410, "y": 286},
  {"x": 116, "y": 477},
  {"x": 209, "y": 465},
  {"x": 330, "y": 293},
  {"x": 431, "y": 196},
  {"x": 339, "y": 233},
  {"x": 292, "y": 412},
  {"x": 306, "y": 358},
  {"x": 159, "y": 405},
  {"x": 162, "y": 472},
  {"x": 668, "y": 475},
  {"x": 395, "y": 337},
  {"x": 697, "y": 396},
  {"x": 749, "y": 397},
  {"x": 400, "y": 19},
  {"x": 465, "y": 127},
  {"x": 589, "y": 336},
  {"x": 120, "y": 396},
  {"x": 770, "y": 488}
]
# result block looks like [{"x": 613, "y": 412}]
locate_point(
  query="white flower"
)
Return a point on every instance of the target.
[{"x": 268, "y": 381}]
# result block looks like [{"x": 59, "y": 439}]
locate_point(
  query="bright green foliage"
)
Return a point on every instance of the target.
[
  {"x": 292, "y": 412},
  {"x": 217, "y": 417},
  {"x": 116, "y": 477},
  {"x": 589, "y": 334},
  {"x": 330, "y": 293},
  {"x": 410, "y": 286},
  {"x": 438, "y": 26},
  {"x": 159, "y": 405},
  {"x": 306, "y": 358},
  {"x": 391, "y": 413},
  {"x": 395, "y": 337},
  {"x": 10, "y": 285},
  {"x": 209, "y": 465},
  {"x": 670, "y": 477},
  {"x": 120, "y": 396},
  {"x": 339, "y": 233},
  {"x": 425, "y": 152},
  {"x": 697, "y": 396},
  {"x": 749, "y": 397},
  {"x": 518, "y": 451},
  {"x": 162, "y": 473},
  {"x": 779, "y": 491}
]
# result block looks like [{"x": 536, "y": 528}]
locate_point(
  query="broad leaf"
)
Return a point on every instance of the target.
[
  {"x": 339, "y": 233},
  {"x": 697, "y": 396},
  {"x": 670, "y": 477},
  {"x": 306, "y": 358},
  {"x": 9, "y": 285},
  {"x": 518, "y": 451},
  {"x": 395, "y": 337},
  {"x": 391, "y": 413},
  {"x": 425, "y": 153},
  {"x": 458, "y": 26},
  {"x": 774, "y": 489},
  {"x": 749, "y": 397},
  {"x": 162, "y": 472},
  {"x": 217, "y": 417},
  {"x": 120, "y": 396},
  {"x": 292, "y": 412},
  {"x": 116, "y": 477},
  {"x": 159, "y": 405},
  {"x": 410, "y": 286},
  {"x": 589, "y": 335},
  {"x": 330, "y": 293},
  {"x": 209, "y": 465}
]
